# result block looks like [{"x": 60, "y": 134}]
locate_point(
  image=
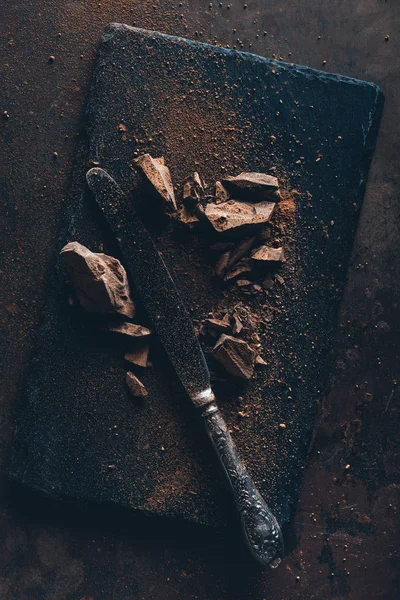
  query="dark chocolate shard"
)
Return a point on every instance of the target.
[
  {"x": 131, "y": 329},
  {"x": 260, "y": 362},
  {"x": 245, "y": 266},
  {"x": 221, "y": 265},
  {"x": 268, "y": 254},
  {"x": 253, "y": 187},
  {"x": 235, "y": 355},
  {"x": 237, "y": 324},
  {"x": 193, "y": 189},
  {"x": 233, "y": 215},
  {"x": 221, "y": 193},
  {"x": 100, "y": 281},
  {"x": 220, "y": 325},
  {"x": 139, "y": 354},
  {"x": 157, "y": 173},
  {"x": 135, "y": 386},
  {"x": 240, "y": 251}
]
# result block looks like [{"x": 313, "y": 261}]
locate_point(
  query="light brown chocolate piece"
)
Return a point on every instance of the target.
[
  {"x": 135, "y": 386},
  {"x": 157, "y": 173},
  {"x": 100, "y": 281},
  {"x": 268, "y": 254},
  {"x": 233, "y": 215},
  {"x": 253, "y": 187},
  {"x": 235, "y": 355}
]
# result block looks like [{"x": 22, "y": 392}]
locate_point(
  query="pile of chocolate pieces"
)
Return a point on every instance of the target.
[
  {"x": 234, "y": 216},
  {"x": 235, "y": 213},
  {"x": 99, "y": 284}
]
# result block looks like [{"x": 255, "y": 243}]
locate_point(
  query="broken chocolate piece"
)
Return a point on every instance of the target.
[
  {"x": 220, "y": 325},
  {"x": 222, "y": 264},
  {"x": 139, "y": 355},
  {"x": 260, "y": 361},
  {"x": 135, "y": 386},
  {"x": 193, "y": 189},
  {"x": 100, "y": 281},
  {"x": 237, "y": 324},
  {"x": 233, "y": 215},
  {"x": 221, "y": 193},
  {"x": 235, "y": 355},
  {"x": 240, "y": 251},
  {"x": 243, "y": 283},
  {"x": 244, "y": 266},
  {"x": 131, "y": 329},
  {"x": 253, "y": 187},
  {"x": 157, "y": 173},
  {"x": 268, "y": 254}
]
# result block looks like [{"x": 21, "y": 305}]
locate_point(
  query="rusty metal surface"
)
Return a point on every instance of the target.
[{"x": 351, "y": 488}]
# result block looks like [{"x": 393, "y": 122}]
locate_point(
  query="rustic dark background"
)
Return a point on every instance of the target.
[{"x": 346, "y": 527}]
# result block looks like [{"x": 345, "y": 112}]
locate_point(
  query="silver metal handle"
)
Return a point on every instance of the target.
[{"x": 261, "y": 529}]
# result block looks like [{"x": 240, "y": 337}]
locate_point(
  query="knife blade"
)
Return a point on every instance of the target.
[{"x": 172, "y": 323}]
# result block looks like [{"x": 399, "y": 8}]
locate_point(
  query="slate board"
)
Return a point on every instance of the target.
[{"x": 214, "y": 110}]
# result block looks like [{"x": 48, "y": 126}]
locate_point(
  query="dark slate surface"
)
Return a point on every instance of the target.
[{"x": 207, "y": 108}]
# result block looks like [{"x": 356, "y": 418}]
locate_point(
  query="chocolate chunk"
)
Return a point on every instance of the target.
[
  {"x": 159, "y": 176},
  {"x": 268, "y": 254},
  {"x": 260, "y": 362},
  {"x": 193, "y": 189},
  {"x": 100, "y": 281},
  {"x": 243, "y": 283},
  {"x": 237, "y": 324},
  {"x": 235, "y": 355},
  {"x": 222, "y": 264},
  {"x": 242, "y": 267},
  {"x": 220, "y": 325},
  {"x": 138, "y": 355},
  {"x": 233, "y": 215},
  {"x": 221, "y": 193},
  {"x": 135, "y": 386},
  {"x": 240, "y": 251},
  {"x": 253, "y": 187},
  {"x": 131, "y": 329}
]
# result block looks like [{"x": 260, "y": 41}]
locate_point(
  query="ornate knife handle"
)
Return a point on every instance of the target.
[{"x": 261, "y": 530}]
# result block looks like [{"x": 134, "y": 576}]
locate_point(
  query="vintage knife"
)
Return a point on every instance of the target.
[{"x": 174, "y": 328}]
